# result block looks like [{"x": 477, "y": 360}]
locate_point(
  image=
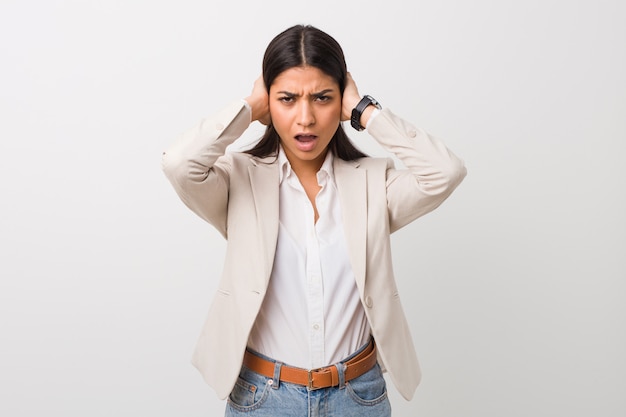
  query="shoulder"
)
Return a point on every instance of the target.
[
  {"x": 368, "y": 163},
  {"x": 375, "y": 163},
  {"x": 239, "y": 158},
  {"x": 372, "y": 167}
]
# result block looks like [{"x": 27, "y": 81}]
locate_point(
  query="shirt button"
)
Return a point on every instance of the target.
[
  {"x": 369, "y": 302},
  {"x": 316, "y": 327},
  {"x": 219, "y": 126},
  {"x": 412, "y": 133}
]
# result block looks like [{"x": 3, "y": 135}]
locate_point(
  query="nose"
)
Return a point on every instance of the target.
[{"x": 306, "y": 116}]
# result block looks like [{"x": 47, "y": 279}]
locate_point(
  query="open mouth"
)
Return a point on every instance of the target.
[
  {"x": 306, "y": 142},
  {"x": 305, "y": 138}
]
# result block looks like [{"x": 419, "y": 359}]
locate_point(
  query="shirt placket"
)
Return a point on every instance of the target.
[{"x": 315, "y": 294}]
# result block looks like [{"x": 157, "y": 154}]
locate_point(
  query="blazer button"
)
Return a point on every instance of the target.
[
  {"x": 369, "y": 302},
  {"x": 412, "y": 133}
]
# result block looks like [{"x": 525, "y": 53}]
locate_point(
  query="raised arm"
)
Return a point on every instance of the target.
[{"x": 432, "y": 170}]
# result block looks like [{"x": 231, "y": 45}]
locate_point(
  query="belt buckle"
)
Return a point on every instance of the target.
[{"x": 310, "y": 386}]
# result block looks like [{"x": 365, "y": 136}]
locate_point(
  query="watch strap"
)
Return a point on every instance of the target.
[{"x": 357, "y": 112}]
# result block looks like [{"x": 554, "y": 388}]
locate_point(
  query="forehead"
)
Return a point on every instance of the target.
[{"x": 303, "y": 80}]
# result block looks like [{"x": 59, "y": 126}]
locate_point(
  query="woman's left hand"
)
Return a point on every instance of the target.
[{"x": 350, "y": 99}]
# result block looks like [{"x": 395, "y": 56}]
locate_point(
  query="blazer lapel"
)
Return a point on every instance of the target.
[
  {"x": 352, "y": 188},
  {"x": 265, "y": 190}
]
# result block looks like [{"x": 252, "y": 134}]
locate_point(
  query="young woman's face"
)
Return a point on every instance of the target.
[{"x": 305, "y": 107}]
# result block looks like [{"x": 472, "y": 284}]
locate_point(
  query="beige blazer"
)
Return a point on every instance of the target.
[{"x": 238, "y": 195}]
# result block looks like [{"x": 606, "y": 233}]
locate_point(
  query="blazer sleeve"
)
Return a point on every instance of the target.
[
  {"x": 432, "y": 170},
  {"x": 197, "y": 167}
]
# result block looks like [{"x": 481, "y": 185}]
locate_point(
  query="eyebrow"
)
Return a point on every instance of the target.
[{"x": 316, "y": 94}]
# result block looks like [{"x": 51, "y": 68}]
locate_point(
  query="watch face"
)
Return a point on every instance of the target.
[{"x": 373, "y": 101}]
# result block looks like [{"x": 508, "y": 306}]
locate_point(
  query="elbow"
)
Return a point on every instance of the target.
[
  {"x": 176, "y": 169},
  {"x": 455, "y": 173},
  {"x": 447, "y": 179},
  {"x": 177, "y": 166},
  {"x": 165, "y": 165},
  {"x": 170, "y": 167}
]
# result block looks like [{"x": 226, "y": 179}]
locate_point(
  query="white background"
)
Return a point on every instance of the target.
[{"x": 515, "y": 288}]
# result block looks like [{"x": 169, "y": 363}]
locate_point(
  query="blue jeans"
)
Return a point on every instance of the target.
[{"x": 255, "y": 395}]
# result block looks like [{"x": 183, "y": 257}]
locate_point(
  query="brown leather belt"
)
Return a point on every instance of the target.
[{"x": 315, "y": 378}]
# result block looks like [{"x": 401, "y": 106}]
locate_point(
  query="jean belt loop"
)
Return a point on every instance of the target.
[
  {"x": 276, "y": 379},
  {"x": 341, "y": 371}
]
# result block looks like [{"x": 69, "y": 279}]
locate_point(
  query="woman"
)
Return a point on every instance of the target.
[{"x": 307, "y": 314}]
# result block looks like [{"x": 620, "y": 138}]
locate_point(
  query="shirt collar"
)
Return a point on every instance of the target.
[{"x": 284, "y": 167}]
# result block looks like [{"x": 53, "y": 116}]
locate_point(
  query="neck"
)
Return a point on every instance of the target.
[{"x": 307, "y": 168}]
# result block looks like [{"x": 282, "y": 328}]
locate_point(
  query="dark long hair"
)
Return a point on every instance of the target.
[{"x": 301, "y": 46}]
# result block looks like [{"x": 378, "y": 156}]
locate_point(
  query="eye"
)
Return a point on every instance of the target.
[
  {"x": 286, "y": 99},
  {"x": 323, "y": 99}
]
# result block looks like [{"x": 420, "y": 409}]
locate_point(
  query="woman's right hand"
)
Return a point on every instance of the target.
[{"x": 259, "y": 102}]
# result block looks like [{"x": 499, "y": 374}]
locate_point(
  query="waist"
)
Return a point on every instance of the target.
[{"x": 329, "y": 376}]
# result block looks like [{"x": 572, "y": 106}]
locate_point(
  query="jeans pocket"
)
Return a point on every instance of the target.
[
  {"x": 249, "y": 392},
  {"x": 243, "y": 393},
  {"x": 369, "y": 388}
]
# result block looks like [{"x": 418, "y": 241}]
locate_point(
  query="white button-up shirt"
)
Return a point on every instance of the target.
[{"x": 311, "y": 315}]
